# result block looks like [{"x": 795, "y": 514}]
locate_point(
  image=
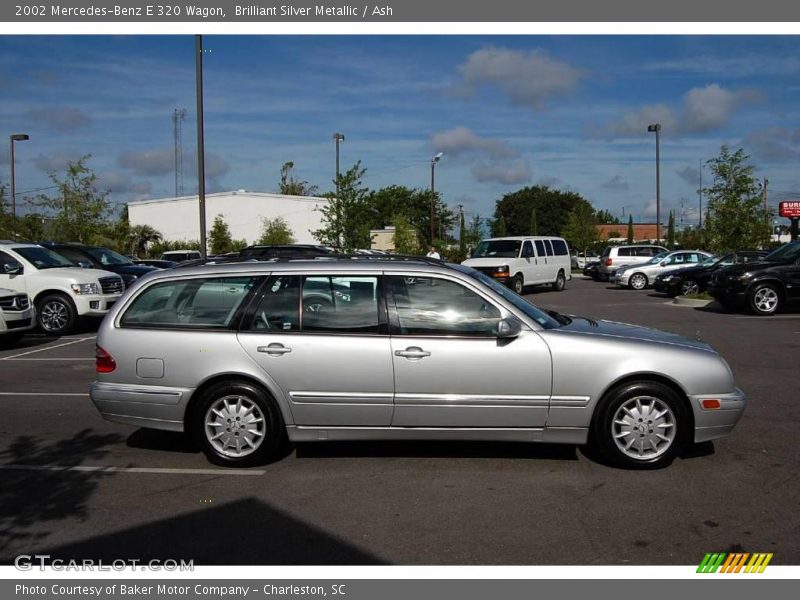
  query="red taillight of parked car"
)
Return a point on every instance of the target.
[
  {"x": 608, "y": 262},
  {"x": 104, "y": 362}
]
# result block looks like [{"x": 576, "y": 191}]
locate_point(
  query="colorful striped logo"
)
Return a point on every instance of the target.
[{"x": 734, "y": 562}]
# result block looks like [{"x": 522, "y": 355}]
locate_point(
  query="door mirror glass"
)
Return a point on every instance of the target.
[
  {"x": 84, "y": 264},
  {"x": 509, "y": 328},
  {"x": 664, "y": 263},
  {"x": 13, "y": 268}
]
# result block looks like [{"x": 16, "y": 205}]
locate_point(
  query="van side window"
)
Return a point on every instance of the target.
[
  {"x": 548, "y": 247},
  {"x": 560, "y": 247},
  {"x": 540, "y": 247},
  {"x": 189, "y": 303},
  {"x": 527, "y": 250}
]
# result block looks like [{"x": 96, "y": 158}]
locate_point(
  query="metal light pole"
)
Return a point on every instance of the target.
[
  {"x": 338, "y": 138},
  {"x": 15, "y": 137},
  {"x": 201, "y": 147},
  {"x": 700, "y": 193},
  {"x": 656, "y": 127},
  {"x": 766, "y": 209},
  {"x": 434, "y": 160}
]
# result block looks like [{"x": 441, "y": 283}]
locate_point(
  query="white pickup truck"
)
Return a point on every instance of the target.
[{"x": 60, "y": 291}]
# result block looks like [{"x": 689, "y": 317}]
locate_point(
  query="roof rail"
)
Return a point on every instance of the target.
[{"x": 325, "y": 257}]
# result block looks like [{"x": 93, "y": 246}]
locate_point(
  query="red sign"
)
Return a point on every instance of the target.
[{"x": 790, "y": 208}]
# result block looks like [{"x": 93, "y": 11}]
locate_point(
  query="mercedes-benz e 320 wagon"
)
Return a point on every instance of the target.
[{"x": 242, "y": 355}]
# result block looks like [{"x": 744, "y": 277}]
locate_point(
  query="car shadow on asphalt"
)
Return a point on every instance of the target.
[
  {"x": 35, "y": 496},
  {"x": 178, "y": 443},
  {"x": 435, "y": 449}
]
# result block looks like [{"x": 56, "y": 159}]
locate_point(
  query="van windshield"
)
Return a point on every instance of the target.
[{"x": 499, "y": 248}]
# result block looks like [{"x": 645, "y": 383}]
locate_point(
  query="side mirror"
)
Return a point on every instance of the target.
[
  {"x": 84, "y": 264},
  {"x": 663, "y": 263},
  {"x": 509, "y": 328},
  {"x": 13, "y": 268}
]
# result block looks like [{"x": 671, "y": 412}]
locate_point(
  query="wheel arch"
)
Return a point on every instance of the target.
[{"x": 53, "y": 292}]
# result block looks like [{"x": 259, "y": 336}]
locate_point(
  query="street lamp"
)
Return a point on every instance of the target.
[
  {"x": 656, "y": 127},
  {"x": 15, "y": 137},
  {"x": 338, "y": 138},
  {"x": 434, "y": 160}
]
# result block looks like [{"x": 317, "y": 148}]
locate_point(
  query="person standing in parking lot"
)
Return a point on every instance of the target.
[{"x": 432, "y": 253}]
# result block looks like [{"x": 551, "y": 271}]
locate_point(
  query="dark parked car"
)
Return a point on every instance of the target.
[
  {"x": 764, "y": 287},
  {"x": 152, "y": 262},
  {"x": 268, "y": 252},
  {"x": 591, "y": 270},
  {"x": 97, "y": 257},
  {"x": 694, "y": 280}
]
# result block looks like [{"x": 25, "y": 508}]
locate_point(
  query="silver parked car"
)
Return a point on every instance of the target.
[
  {"x": 640, "y": 276},
  {"x": 241, "y": 355}
]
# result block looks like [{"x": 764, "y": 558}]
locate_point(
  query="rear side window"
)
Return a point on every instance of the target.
[
  {"x": 560, "y": 247},
  {"x": 345, "y": 304},
  {"x": 189, "y": 303},
  {"x": 646, "y": 251},
  {"x": 548, "y": 247},
  {"x": 540, "y": 247},
  {"x": 625, "y": 252}
]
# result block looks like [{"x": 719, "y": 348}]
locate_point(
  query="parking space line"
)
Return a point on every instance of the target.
[
  {"x": 146, "y": 470},
  {"x": 49, "y": 347},
  {"x": 43, "y": 394}
]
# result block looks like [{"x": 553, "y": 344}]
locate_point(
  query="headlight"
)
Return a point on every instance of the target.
[
  {"x": 85, "y": 288},
  {"x": 666, "y": 277},
  {"x": 740, "y": 277}
]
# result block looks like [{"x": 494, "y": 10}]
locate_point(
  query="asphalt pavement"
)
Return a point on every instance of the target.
[{"x": 76, "y": 486}]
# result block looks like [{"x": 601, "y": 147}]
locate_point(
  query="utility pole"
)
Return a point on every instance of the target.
[
  {"x": 434, "y": 160},
  {"x": 338, "y": 138},
  {"x": 201, "y": 148},
  {"x": 656, "y": 128},
  {"x": 766, "y": 210}
]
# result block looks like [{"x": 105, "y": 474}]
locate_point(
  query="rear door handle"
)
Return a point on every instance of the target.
[
  {"x": 274, "y": 349},
  {"x": 412, "y": 352}
]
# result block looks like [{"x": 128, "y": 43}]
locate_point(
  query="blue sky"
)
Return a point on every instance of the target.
[{"x": 507, "y": 111}]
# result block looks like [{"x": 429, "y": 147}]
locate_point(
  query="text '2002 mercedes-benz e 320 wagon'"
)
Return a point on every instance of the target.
[{"x": 243, "y": 354}]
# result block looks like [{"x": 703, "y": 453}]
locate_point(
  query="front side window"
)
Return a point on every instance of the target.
[
  {"x": 432, "y": 306},
  {"x": 527, "y": 250},
  {"x": 189, "y": 303}
]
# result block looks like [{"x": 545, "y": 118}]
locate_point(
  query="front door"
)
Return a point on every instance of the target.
[
  {"x": 11, "y": 282},
  {"x": 327, "y": 348},
  {"x": 450, "y": 369}
]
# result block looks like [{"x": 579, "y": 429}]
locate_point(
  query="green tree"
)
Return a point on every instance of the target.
[
  {"x": 671, "y": 231},
  {"x": 735, "y": 216},
  {"x": 346, "y": 218},
  {"x": 690, "y": 238},
  {"x": 385, "y": 204},
  {"x": 580, "y": 230},
  {"x": 276, "y": 231},
  {"x": 81, "y": 209},
  {"x": 534, "y": 228},
  {"x": 630, "y": 229},
  {"x": 499, "y": 226},
  {"x": 219, "y": 238},
  {"x": 462, "y": 237},
  {"x": 406, "y": 239},
  {"x": 290, "y": 186},
  {"x": 553, "y": 208},
  {"x": 140, "y": 237},
  {"x": 605, "y": 217}
]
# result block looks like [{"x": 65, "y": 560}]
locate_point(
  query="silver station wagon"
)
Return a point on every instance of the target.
[{"x": 243, "y": 355}]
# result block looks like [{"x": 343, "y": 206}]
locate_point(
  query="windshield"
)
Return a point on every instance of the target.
[
  {"x": 42, "y": 258},
  {"x": 538, "y": 315},
  {"x": 709, "y": 260},
  {"x": 786, "y": 253},
  {"x": 657, "y": 258},
  {"x": 499, "y": 248},
  {"x": 107, "y": 257}
]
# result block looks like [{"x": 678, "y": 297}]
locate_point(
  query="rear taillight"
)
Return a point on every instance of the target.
[
  {"x": 608, "y": 262},
  {"x": 104, "y": 362}
]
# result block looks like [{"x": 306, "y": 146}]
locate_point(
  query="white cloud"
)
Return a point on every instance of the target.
[
  {"x": 161, "y": 161},
  {"x": 507, "y": 172},
  {"x": 526, "y": 78},
  {"x": 778, "y": 144}
]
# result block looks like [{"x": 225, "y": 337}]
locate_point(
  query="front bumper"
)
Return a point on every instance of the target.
[
  {"x": 94, "y": 305},
  {"x": 711, "y": 424},
  {"x": 621, "y": 278},
  {"x": 734, "y": 294},
  {"x": 14, "y": 321},
  {"x": 667, "y": 287}
]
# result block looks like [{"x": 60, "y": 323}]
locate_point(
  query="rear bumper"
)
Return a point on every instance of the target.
[
  {"x": 711, "y": 424},
  {"x": 155, "y": 407}
]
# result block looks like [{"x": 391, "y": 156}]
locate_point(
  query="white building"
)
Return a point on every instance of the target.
[{"x": 178, "y": 218}]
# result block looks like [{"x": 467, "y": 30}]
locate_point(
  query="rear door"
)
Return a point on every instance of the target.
[
  {"x": 541, "y": 261},
  {"x": 323, "y": 339},
  {"x": 450, "y": 369}
]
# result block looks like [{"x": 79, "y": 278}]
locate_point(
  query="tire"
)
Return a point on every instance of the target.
[
  {"x": 637, "y": 281},
  {"x": 560, "y": 283},
  {"x": 264, "y": 432},
  {"x": 690, "y": 286},
  {"x": 764, "y": 299},
  {"x": 622, "y": 420},
  {"x": 518, "y": 284},
  {"x": 56, "y": 314}
]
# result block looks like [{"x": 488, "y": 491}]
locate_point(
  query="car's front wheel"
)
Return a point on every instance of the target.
[
  {"x": 641, "y": 425},
  {"x": 237, "y": 424},
  {"x": 765, "y": 299},
  {"x": 518, "y": 284},
  {"x": 55, "y": 314},
  {"x": 560, "y": 283},
  {"x": 690, "y": 287},
  {"x": 637, "y": 281}
]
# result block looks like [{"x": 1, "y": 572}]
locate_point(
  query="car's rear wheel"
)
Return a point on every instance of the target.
[
  {"x": 690, "y": 287},
  {"x": 55, "y": 314},
  {"x": 517, "y": 284},
  {"x": 765, "y": 299},
  {"x": 641, "y": 425},
  {"x": 637, "y": 281},
  {"x": 561, "y": 282},
  {"x": 237, "y": 424}
]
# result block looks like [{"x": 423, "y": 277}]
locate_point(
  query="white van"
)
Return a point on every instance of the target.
[{"x": 521, "y": 261}]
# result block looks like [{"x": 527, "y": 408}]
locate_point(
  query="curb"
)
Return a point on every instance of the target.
[{"x": 691, "y": 302}]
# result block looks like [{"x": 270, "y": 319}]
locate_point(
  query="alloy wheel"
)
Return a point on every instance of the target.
[
  {"x": 689, "y": 287},
  {"x": 766, "y": 300},
  {"x": 644, "y": 428},
  {"x": 638, "y": 281},
  {"x": 54, "y": 316},
  {"x": 234, "y": 426}
]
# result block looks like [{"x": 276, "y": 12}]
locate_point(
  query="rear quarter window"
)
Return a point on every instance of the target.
[
  {"x": 624, "y": 252},
  {"x": 560, "y": 247}
]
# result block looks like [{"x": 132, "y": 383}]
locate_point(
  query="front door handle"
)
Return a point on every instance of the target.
[
  {"x": 412, "y": 352},
  {"x": 274, "y": 349}
]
